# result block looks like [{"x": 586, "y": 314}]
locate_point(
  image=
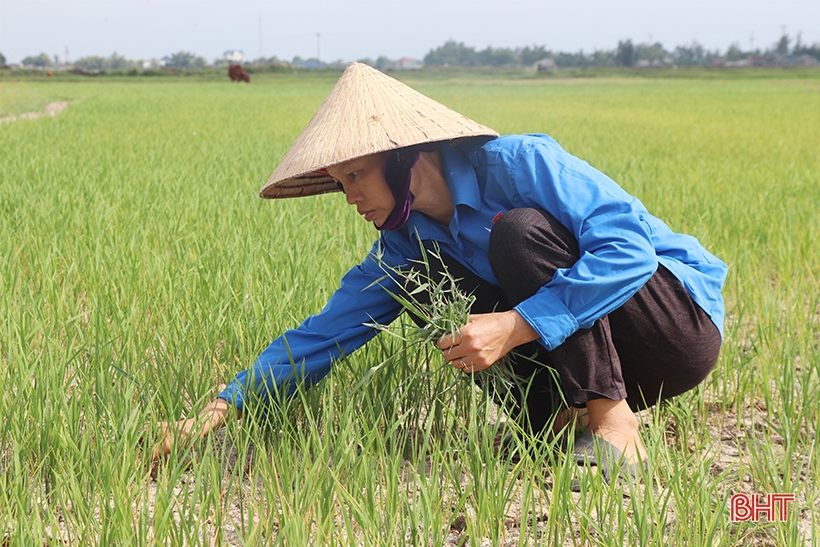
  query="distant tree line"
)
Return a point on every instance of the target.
[
  {"x": 381, "y": 63},
  {"x": 785, "y": 51},
  {"x": 114, "y": 62},
  {"x": 183, "y": 59},
  {"x": 626, "y": 54},
  {"x": 40, "y": 61},
  {"x": 180, "y": 59}
]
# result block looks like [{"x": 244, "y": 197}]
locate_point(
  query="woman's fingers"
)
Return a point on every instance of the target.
[
  {"x": 485, "y": 339},
  {"x": 455, "y": 351},
  {"x": 467, "y": 358},
  {"x": 465, "y": 365},
  {"x": 173, "y": 434},
  {"x": 183, "y": 432},
  {"x": 449, "y": 341}
]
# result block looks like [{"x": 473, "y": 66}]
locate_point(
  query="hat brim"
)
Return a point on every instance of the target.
[{"x": 366, "y": 113}]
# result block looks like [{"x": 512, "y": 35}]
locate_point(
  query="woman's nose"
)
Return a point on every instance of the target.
[{"x": 352, "y": 196}]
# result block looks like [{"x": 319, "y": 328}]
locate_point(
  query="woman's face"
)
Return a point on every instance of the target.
[{"x": 365, "y": 187}]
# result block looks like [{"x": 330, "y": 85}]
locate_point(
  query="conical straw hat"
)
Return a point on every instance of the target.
[{"x": 366, "y": 112}]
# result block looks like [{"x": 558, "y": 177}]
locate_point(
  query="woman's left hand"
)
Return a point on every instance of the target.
[
  {"x": 184, "y": 432},
  {"x": 485, "y": 339}
]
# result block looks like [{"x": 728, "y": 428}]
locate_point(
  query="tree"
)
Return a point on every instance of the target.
[
  {"x": 2, "y": 59},
  {"x": 92, "y": 62},
  {"x": 383, "y": 63},
  {"x": 625, "y": 54},
  {"x": 734, "y": 53},
  {"x": 118, "y": 62},
  {"x": 260, "y": 61},
  {"x": 783, "y": 45},
  {"x": 115, "y": 62},
  {"x": 532, "y": 54},
  {"x": 42, "y": 60},
  {"x": 496, "y": 57},
  {"x": 451, "y": 53},
  {"x": 814, "y": 51},
  {"x": 571, "y": 60},
  {"x": 690, "y": 55},
  {"x": 183, "y": 59},
  {"x": 650, "y": 52},
  {"x": 601, "y": 57}
]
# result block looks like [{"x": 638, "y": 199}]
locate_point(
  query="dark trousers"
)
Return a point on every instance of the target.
[{"x": 659, "y": 344}]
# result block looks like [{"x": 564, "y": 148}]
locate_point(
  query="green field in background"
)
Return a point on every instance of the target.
[{"x": 138, "y": 270}]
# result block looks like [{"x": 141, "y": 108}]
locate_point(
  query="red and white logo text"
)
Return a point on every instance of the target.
[{"x": 775, "y": 507}]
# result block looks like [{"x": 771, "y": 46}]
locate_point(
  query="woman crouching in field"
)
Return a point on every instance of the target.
[{"x": 564, "y": 264}]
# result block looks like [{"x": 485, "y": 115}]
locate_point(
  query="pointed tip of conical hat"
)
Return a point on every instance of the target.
[{"x": 365, "y": 113}]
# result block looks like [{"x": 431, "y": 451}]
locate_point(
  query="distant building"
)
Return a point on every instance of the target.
[
  {"x": 405, "y": 63},
  {"x": 545, "y": 65},
  {"x": 808, "y": 60},
  {"x": 311, "y": 64},
  {"x": 234, "y": 56},
  {"x": 153, "y": 63},
  {"x": 757, "y": 60}
]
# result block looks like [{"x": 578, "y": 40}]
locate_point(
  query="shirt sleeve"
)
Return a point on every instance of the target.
[
  {"x": 617, "y": 256},
  {"x": 307, "y": 352}
]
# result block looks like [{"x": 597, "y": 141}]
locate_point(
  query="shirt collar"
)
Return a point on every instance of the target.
[
  {"x": 461, "y": 177},
  {"x": 463, "y": 184}
]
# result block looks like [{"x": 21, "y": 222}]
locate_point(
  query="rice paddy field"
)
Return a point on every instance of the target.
[{"x": 139, "y": 271}]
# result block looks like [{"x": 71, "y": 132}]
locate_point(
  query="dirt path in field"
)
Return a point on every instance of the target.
[{"x": 51, "y": 109}]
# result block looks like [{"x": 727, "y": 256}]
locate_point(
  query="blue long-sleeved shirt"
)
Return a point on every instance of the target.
[{"x": 620, "y": 243}]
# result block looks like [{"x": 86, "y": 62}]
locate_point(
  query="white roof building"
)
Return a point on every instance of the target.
[
  {"x": 154, "y": 63},
  {"x": 234, "y": 56}
]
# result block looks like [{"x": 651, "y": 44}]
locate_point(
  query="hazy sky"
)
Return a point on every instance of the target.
[{"x": 353, "y": 29}]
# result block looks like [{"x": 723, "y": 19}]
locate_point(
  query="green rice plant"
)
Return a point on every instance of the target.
[{"x": 138, "y": 272}]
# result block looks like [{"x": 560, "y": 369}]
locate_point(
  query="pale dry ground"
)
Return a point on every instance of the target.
[
  {"x": 51, "y": 109},
  {"x": 729, "y": 449}
]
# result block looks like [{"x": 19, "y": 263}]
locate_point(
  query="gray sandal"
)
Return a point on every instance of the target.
[{"x": 593, "y": 450}]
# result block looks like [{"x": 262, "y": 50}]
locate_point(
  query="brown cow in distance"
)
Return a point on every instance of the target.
[{"x": 238, "y": 74}]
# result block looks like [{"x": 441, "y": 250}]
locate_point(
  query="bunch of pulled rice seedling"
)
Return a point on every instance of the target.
[{"x": 441, "y": 307}]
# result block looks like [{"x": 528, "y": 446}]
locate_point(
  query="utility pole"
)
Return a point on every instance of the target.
[
  {"x": 751, "y": 42},
  {"x": 318, "y": 46},
  {"x": 66, "y": 55},
  {"x": 784, "y": 41},
  {"x": 260, "y": 37}
]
